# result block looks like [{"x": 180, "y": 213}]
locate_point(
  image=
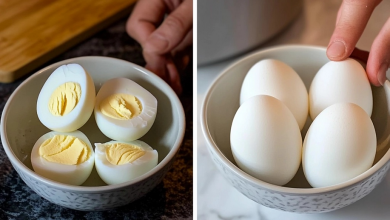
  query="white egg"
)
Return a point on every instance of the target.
[
  {"x": 341, "y": 81},
  {"x": 68, "y": 174},
  {"x": 79, "y": 114},
  {"x": 131, "y": 129},
  {"x": 339, "y": 145},
  {"x": 266, "y": 140},
  {"x": 275, "y": 78},
  {"x": 115, "y": 174}
]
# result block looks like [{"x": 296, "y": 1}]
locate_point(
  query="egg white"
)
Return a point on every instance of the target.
[
  {"x": 338, "y": 82},
  {"x": 115, "y": 174},
  {"x": 68, "y": 174},
  {"x": 134, "y": 128},
  {"x": 277, "y": 79},
  {"x": 339, "y": 145},
  {"x": 82, "y": 111},
  {"x": 265, "y": 140}
]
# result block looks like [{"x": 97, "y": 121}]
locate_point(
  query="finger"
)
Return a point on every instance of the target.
[
  {"x": 172, "y": 31},
  {"x": 352, "y": 19},
  {"x": 181, "y": 62},
  {"x": 182, "y": 53},
  {"x": 157, "y": 65},
  {"x": 164, "y": 67},
  {"x": 174, "y": 76},
  {"x": 184, "y": 44},
  {"x": 339, "y": 13},
  {"x": 172, "y": 5},
  {"x": 146, "y": 16},
  {"x": 379, "y": 58}
]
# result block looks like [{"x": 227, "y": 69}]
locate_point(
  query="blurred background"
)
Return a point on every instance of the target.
[{"x": 229, "y": 30}]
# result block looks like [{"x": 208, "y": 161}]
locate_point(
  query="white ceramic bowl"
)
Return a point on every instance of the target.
[
  {"x": 221, "y": 104},
  {"x": 20, "y": 129}
]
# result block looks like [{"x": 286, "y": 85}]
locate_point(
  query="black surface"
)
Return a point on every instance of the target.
[{"x": 171, "y": 199}]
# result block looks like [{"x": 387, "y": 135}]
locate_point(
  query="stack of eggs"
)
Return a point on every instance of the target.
[
  {"x": 124, "y": 112},
  {"x": 266, "y": 138}
]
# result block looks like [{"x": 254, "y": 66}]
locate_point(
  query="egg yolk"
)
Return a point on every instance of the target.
[
  {"x": 121, "y": 153},
  {"x": 64, "y": 99},
  {"x": 65, "y": 149},
  {"x": 121, "y": 106}
]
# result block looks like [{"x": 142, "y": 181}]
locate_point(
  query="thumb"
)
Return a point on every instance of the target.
[{"x": 172, "y": 31}]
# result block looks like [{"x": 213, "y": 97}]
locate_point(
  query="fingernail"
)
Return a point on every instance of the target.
[
  {"x": 382, "y": 73},
  {"x": 336, "y": 49},
  {"x": 156, "y": 43}
]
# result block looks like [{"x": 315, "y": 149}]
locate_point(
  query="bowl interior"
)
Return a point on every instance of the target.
[
  {"x": 218, "y": 110},
  {"x": 23, "y": 128}
]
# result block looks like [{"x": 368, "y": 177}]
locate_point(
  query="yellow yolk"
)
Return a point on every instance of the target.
[
  {"x": 65, "y": 149},
  {"x": 121, "y": 106},
  {"x": 121, "y": 153},
  {"x": 65, "y": 98}
]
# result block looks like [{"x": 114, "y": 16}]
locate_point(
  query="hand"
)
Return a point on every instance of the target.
[
  {"x": 165, "y": 41},
  {"x": 352, "y": 18}
]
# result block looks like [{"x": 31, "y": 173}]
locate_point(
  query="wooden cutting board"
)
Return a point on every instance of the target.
[{"x": 34, "y": 31}]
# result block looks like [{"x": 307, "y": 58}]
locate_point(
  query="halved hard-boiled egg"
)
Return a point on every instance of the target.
[
  {"x": 117, "y": 162},
  {"x": 124, "y": 110},
  {"x": 67, "y": 98},
  {"x": 63, "y": 157}
]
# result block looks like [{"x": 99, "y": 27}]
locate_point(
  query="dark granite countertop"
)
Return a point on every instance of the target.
[{"x": 171, "y": 199}]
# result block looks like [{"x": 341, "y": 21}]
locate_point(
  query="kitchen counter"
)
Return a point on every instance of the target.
[
  {"x": 217, "y": 199},
  {"x": 171, "y": 199}
]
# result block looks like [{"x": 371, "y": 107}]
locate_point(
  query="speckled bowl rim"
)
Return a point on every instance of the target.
[
  {"x": 95, "y": 189},
  {"x": 212, "y": 146}
]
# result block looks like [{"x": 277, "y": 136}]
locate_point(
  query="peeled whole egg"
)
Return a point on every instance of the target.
[
  {"x": 63, "y": 173},
  {"x": 275, "y": 78},
  {"x": 124, "y": 129},
  {"x": 339, "y": 145},
  {"x": 66, "y": 100},
  {"x": 266, "y": 140},
  {"x": 116, "y": 174},
  {"x": 340, "y": 81}
]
